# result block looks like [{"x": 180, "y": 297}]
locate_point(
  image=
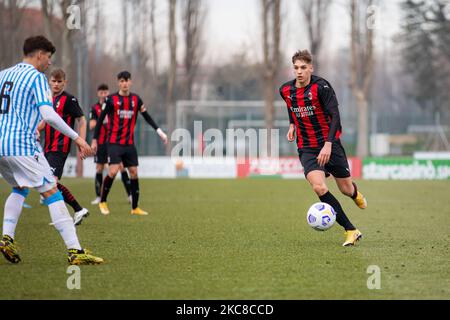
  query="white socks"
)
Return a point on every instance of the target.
[
  {"x": 59, "y": 214},
  {"x": 63, "y": 223},
  {"x": 13, "y": 209}
]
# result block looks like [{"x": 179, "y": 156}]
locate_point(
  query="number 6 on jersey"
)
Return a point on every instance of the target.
[{"x": 5, "y": 96}]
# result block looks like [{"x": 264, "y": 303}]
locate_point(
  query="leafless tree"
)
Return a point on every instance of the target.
[
  {"x": 47, "y": 7},
  {"x": 316, "y": 15},
  {"x": 98, "y": 28},
  {"x": 125, "y": 26},
  {"x": 362, "y": 65},
  {"x": 71, "y": 45},
  {"x": 154, "y": 41},
  {"x": 271, "y": 21},
  {"x": 66, "y": 39},
  {"x": 193, "y": 21},
  {"x": 11, "y": 14},
  {"x": 170, "y": 100}
]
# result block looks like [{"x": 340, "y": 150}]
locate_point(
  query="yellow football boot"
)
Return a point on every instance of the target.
[
  {"x": 139, "y": 212},
  {"x": 360, "y": 201},
  {"x": 82, "y": 257},
  {"x": 9, "y": 250},
  {"x": 103, "y": 208},
  {"x": 352, "y": 236}
]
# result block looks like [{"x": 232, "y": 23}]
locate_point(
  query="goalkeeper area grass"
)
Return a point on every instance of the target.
[{"x": 239, "y": 239}]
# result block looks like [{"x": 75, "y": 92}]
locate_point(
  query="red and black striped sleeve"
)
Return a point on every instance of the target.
[
  {"x": 282, "y": 90},
  {"x": 328, "y": 100},
  {"x": 109, "y": 109},
  {"x": 74, "y": 108}
]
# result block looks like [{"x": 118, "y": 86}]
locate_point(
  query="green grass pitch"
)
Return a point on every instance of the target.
[{"x": 239, "y": 239}]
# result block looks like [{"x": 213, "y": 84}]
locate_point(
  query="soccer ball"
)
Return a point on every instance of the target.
[{"x": 321, "y": 216}]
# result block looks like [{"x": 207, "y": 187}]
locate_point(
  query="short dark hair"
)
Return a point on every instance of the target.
[
  {"x": 124, "y": 75},
  {"x": 103, "y": 87},
  {"x": 33, "y": 44},
  {"x": 302, "y": 55},
  {"x": 58, "y": 74}
]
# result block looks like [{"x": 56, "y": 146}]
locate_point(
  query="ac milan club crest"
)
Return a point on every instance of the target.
[{"x": 310, "y": 96}]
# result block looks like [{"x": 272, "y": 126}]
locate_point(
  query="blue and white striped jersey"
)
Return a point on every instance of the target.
[{"x": 23, "y": 89}]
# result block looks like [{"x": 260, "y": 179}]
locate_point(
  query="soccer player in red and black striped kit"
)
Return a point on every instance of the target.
[
  {"x": 122, "y": 109},
  {"x": 316, "y": 126},
  {"x": 57, "y": 146},
  {"x": 101, "y": 157}
]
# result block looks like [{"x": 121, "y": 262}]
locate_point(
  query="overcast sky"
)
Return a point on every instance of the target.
[{"x": 235, "y": 24}]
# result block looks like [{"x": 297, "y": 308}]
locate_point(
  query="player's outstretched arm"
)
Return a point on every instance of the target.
[
  {"x": 162, "y": 135},
  {"x": 53, "y": 119},
  {"x": 84, "y": 149},
  {"x": 153, "y": 124}
]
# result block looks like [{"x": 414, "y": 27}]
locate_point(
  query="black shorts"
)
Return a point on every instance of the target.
[
  {"x": 337, "y": 166},
  {"x": 57, "y": 160},
  {"x": 101, "y": 157},
  {"x": 125, "y": 154}
]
